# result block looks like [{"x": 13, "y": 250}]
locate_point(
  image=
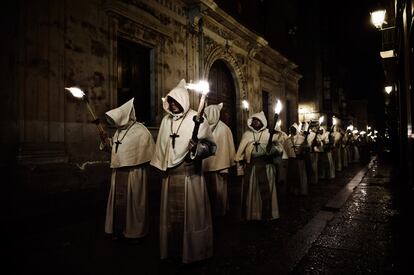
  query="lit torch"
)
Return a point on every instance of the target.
[
  {"x": 78, "y": 93},
  {"x": 334, "y": 122},
  {"x": 203, "y": 88},
  {"x": 272, "y": 131},
  {"x": 279, "y": 123},
  {"x": 321, "y": 119},
  {"x": 245, "y": 105}
]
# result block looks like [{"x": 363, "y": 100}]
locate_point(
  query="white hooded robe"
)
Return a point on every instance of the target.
[
  {"x": 183, "y": 186},
  {"x": 326, "y": 165},
  {"x": 336, "y": 153},
  {"x": 131, "y": 159},
  {"x": 297, "y": 178},
  {"x": 258, "y": 169},
  {"x": 216, "y": 168}
]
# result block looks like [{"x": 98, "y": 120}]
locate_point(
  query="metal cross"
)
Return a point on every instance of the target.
[{"x": 174, "y": 136}]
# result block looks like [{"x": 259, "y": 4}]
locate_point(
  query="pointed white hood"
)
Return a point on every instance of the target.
[
  {"x": 212, "y": 113},
  {"x": 246, "y": 146},
  {"x": 179, "y": 94},
  {"x": 182, "y": 124},
  {"x": 223, "y": 137},
  {"x": 136, "y": 144},
  {"x": 260, "y": 116},
  {"x": 121, "y": 116}
]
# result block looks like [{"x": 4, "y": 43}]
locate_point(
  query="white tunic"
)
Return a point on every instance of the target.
[
  {"x": 247, "y": 152},
  {"x": 197, "y": 231},
  {"x": 134, "y": 152}
]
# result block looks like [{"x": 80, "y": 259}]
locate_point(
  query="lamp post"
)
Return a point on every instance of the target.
[{"x": 378, "y": 18}]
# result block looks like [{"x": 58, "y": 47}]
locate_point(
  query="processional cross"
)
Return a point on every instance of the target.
[
  {"x": 116, "y": 145},
  {"x": 174, "y": 136}
]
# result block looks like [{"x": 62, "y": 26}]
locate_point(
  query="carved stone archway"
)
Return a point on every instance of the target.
[{"x": 214, "y": 52}]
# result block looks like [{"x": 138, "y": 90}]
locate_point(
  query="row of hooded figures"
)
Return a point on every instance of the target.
[{"x": 195, "y": 173}]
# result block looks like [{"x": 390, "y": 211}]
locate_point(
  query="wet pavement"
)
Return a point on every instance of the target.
[{"x": 353, "y": 224}]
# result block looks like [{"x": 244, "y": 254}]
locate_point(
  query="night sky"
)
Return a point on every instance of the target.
[{"x": 344, "y": 26}]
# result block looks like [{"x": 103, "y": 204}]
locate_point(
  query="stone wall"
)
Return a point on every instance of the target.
[{"x": 56, "y": 44}]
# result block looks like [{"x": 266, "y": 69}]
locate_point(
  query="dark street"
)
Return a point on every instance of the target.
[{"x": 355, "y": 224}]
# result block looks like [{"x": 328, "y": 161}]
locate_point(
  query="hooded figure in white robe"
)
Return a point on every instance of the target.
[
  {"x": 336, "y": 150},
  {"x": 185, "y": 223},
  {"x": 282, "y": 166},
  {"x": 132, "y": 149},
  {"x": 326, "y": 165},
  {"x": 216, "y": 167},
  {"x": 316, "y": 147},
  {"x": 344, "y": 149},
  {"x": 295, "y": 147},
  {"x": 259, "y": 184},
  {"x": 355, "y": 149},
  {"x": 349, "y": 146}
]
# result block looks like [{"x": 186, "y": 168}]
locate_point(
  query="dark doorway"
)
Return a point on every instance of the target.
[
  {"x": 222, "y": 90},
  {"x": 134, "y": 79}
]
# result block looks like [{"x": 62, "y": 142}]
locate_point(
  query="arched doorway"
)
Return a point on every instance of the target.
[{"x": 222, "y": 90}]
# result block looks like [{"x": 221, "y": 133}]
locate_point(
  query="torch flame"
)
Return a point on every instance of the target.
[
  {"x": 321, "y": 119},
  {"x": 245, "y": 104},
  {"x": 202, "y": 86},
  {"x": 334, "y": 121},
  {"x": 279, "y": 123},
  {"x": 76, "y": 92},
  {"x": 278, "y": 107}
]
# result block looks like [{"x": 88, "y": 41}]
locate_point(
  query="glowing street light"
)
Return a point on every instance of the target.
[
  {"x": 388, "y": 89},
  {"x": 378, "y": 18}
]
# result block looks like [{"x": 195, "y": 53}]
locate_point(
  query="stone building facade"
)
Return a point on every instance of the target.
[{"x": 93, "y": 44}]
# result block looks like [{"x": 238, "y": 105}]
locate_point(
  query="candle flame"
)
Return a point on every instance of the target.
[
  {"x": 278, "y": 107},
  {"x": 321, "y": 119},
  {"x": 202, "y": 86},
  {"x": 76, "y": 92},
  {"x": 245, "y": 104},
  {"x": 334, "y": 121}
]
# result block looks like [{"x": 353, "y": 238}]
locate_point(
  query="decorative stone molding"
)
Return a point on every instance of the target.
[
  {"x": 214, "y": 52},
  {"x": 147, "y": 19}
]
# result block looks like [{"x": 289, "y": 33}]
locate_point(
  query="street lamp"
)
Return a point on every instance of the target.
[
  {"x": 388, "y": 89},
  {"x": 378, "y": 18},
  {"x": 387, "y": 34}
]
